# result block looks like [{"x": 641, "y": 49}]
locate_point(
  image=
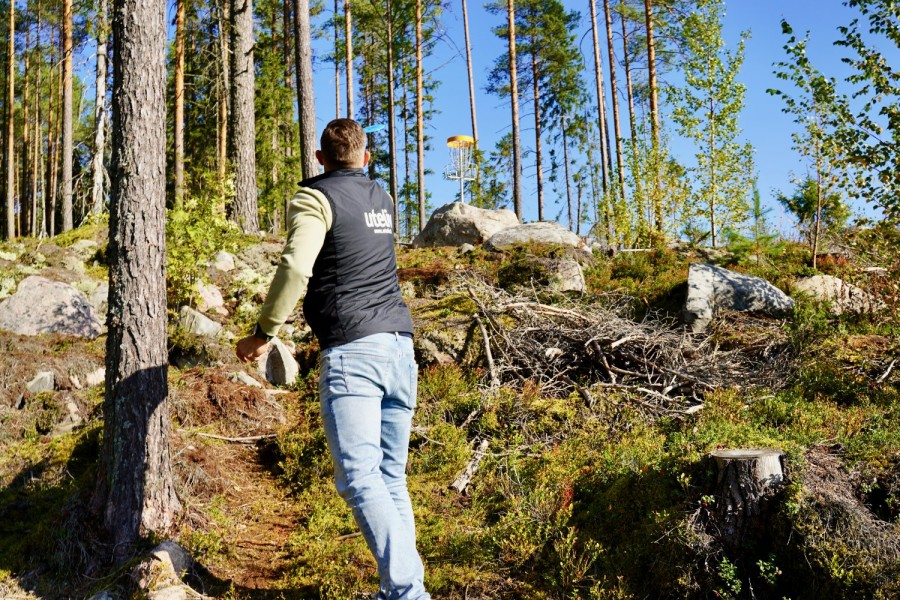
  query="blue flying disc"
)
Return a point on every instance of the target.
[{"x": 373, "y": 128}]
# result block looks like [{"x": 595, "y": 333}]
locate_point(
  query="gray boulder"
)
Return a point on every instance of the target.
[
  {"x": 542, "y": 233},
  {"x": 44, "y": 306},
  {"x": 843, "y": 297},
  {"x": 209, "y": 298},
  {"x": 278, "y": 365},
  {"x": 711, "y": 287},
  {"x": 457, "y": 223},
  {"x": 223, "y": 261},
  {"x": 44, "y": 381},
  {"x": 196, "y": 323}
]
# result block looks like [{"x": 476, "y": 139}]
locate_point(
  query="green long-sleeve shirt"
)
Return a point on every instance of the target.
[{"x": 309, "y": 219}]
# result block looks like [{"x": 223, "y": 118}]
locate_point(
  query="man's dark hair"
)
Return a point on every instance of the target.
[{"x": 343, "y": 143}]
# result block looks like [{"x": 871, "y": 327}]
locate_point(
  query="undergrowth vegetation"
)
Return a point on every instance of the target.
[{"x": 587, "y": 492}]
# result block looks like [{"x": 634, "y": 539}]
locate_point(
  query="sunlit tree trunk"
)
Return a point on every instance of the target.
[
  {"x": 654, "y": 115},
  {"x": 68, "y": 148},
  {"x": 615, "y": 101},
  {"x": 538, "y": 146},
  {"x": 601, "y": 98},
  {"x": 605, "y": 151},
  {"x": 10, "y": 126},
  {"x": 243, "y": 117},
  {"x": 180, "y": 10},
  {"x": 392, "y": 133},
  {"x": 565, "y": 144},
  {"x": 25, "y": 155},
  {"x": 348, "y": 57},
  {"x": 639, "y": 197},
  {"x": 514, "y": 97},
  {"x": 469, "y": 72},
  {"x": 306, "y": 104},
  {"x": 53, "y": 138},
  {"x": 420, "y": 117},
  {"x": 98, "y": 172},
  {"x": 223, "y": 87},
  {"x": 337, "y": 62},
  {"x": 135, "y": 493}
]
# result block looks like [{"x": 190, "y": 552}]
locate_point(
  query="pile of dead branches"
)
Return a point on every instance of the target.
[{"x": 590, "y": 347}]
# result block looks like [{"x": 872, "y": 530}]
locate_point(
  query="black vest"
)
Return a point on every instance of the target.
[{"x": 353, "y": 291}]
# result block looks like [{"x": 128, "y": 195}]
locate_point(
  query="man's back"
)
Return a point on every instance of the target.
[{"x": 354, "y": 291}]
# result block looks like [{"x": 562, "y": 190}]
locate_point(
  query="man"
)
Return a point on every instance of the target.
[{"x": 340, "y": 249}]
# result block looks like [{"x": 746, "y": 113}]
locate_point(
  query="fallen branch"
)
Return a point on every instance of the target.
[
  {"x": 462, "y": 481},
  {"x": 887, "y": 373},
  {"x": 238, "y": 440}
]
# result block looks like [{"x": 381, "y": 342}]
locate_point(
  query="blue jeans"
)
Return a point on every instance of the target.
[{"x": 367, "y": 393}]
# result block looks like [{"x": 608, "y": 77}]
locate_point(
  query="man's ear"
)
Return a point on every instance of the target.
[
  {"x": 366, "y": 157},
  {"x": 320, "y": 158}
]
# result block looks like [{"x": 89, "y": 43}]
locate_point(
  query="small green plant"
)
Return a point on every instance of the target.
[
  {"x": 728, "y": 573},
  {"x": 768, "y": 570},
  {"x": 195, "y": 230}
]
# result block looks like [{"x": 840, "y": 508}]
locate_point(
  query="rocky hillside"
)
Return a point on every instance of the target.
[{"x": 569, "y": 403}]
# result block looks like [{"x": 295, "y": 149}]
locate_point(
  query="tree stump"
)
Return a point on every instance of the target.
[{"x": 747, "y": 480}]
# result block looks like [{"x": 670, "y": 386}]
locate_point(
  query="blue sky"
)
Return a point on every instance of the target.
[{"x": 763, "y": 123}]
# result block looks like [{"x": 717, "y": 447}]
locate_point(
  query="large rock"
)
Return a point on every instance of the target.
[
  {"x": 209, "y": 298},
  {"x": 196, "y": 323},
  {"x": 223, "y": 261},
  {"x": 457, "y": 223},
  {"x": 711, "y": 287},
  {"x": 44, "y": 381},
  {"x": 843, "y": 297},
  {"x": 44, "y": 306},
  {"x": 278, "y": 365},
  {"x": 544, "y": 233}
]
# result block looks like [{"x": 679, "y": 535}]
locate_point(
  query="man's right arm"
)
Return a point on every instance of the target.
[{"x": 309, "y": 219}]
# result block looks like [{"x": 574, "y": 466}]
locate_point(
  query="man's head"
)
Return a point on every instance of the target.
[{"x": 343, "y": 146}]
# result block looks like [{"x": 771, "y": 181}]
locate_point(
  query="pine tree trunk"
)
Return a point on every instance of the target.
[
  {"x": 601, "y": 98},
  {"x": 36, "y": 137},
  {"x": 420, "y": 117},
  {"x": 10, "y": 127},
  {"x": 287, "y": 28},
  {"x": 538, "y": 149},
  {"x": 514, "y": 97},
  {"x": 654, "y": 116},
  {"x": 392, "y": 133},
  {"x": 615, "y": 101},
  {"x": 337, "y": 62},
  {"x": 565, "y": 142},
  {"x": 179, "y": 100},
  {"x": 135, "y": 492},
  {"x": 639, "y": 198},
  {"x": 348, "y": 56},
  {"x": 223, "y": 88},
  {"x": 243, "y": 117},
  {"x": 53, "y": 141},
  {"x": 68, "y": 148},
  {"x": 100, "y": 110},
  {"x": 306, "y": 104},
  {"x": 25, "y": 154},
  {"x": 471, "y": 76}
]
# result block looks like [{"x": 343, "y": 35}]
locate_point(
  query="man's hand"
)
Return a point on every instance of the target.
[{"x": 251, "y": 348}]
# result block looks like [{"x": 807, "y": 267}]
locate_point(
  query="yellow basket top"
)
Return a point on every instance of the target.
[{"x": 460, "y": 141}]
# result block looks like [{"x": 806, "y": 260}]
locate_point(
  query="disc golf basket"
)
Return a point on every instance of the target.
[{"x": 462, "y": 164}]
